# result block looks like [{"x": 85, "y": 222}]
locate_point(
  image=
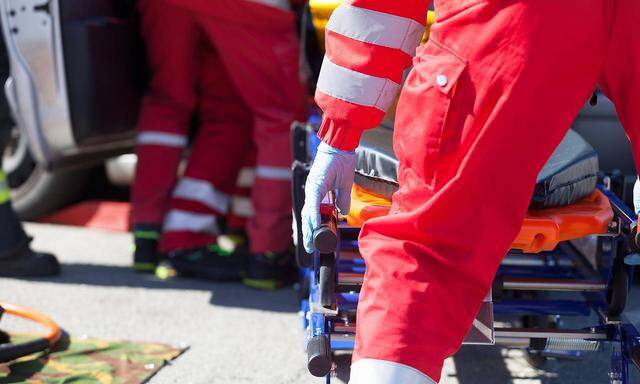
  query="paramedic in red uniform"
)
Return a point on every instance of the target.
[
  {"x": 489, "y": 98},
  {"x": 236, "y": 63}
]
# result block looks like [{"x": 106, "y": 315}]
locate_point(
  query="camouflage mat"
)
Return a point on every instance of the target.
[{"x": 90, "y": 361}]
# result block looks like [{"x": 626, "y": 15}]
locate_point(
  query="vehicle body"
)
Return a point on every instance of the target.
[{"x": 77, "y": 76}]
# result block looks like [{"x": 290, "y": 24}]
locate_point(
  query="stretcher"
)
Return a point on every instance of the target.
[{"x": 579, "y": 238}]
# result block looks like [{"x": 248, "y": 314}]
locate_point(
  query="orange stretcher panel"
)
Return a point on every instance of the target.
[{"x": 541, "y": 231}]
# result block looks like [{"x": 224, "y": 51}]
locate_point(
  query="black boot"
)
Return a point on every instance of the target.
[
  {"x": 145, "y": 255},
  {"x": 22, "y": 261},
  {"x": 270, "y": 270},
  {"x": 210, "y": 263}
]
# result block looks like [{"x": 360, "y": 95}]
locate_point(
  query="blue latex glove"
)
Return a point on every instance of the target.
[{"x": 332, "y": 170}]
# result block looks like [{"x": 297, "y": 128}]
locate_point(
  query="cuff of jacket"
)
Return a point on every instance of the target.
[{"x": 339, "y": 134}]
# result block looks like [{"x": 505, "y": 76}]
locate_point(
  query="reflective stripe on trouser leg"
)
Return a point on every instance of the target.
[
  {"x": 273, "y": 173},
  {"x": 241, "y": 205},
  {"x": 193, "y": 219},
  {"x": 462, "y": 157},
  {"x": 163, "y": 139},
  {"x": 371, "y": 371},
  {"x": 186, "y": 230},
  {"x": 184, "y": 221},
  {"x": 5, "y": 192},
  {"x": 246, "y": 177},
  {"x": 203, "y": 192},
  {"x": 210, "y": 176}
]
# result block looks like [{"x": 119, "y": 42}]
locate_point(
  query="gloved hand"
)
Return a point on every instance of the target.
[{"x": 332, "y": 170}]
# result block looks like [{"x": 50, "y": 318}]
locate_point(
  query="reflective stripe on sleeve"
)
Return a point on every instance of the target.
[
  {"x": 203, "y": 192},
  {"x": 163, "y": 139},
  {"x": 273, "y": 173},
  {"x": 377, "y": 28},
  {"x": 184, "y": 221},
  {"x": 355, "y": 87},
  {"x": 369, "y": 371},
  {"x": 242, "y": 207}
]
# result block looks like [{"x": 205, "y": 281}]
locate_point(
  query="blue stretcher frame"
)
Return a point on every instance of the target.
[{"x": 599, "y": 284}]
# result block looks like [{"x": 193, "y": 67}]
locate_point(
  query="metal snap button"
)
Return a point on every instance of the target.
[{"x": 442, "y": 80}]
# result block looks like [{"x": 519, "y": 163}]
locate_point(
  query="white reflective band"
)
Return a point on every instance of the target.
[
  {"x": 377, "y": 28},
  {"x": 184, "y": 221},
  {"x": 356, "y": 87},
  {"x": 245, "y": 178},
  {"x": 242, "y": 207},
  {"x": 273, "y": 173},
  {"x": 371, "y": 371},
  {"x": 162, "y": 138},
  {"x": 202, "y": 192},
  {"x": 282, "y": 4}
]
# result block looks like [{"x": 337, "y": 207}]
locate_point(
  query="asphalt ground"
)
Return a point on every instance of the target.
[{"x": 234, "y": 334}]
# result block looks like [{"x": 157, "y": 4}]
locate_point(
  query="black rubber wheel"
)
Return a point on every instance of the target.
[
  {"x": 319, "y": 356},
  {"x": 36, "y": 191},
  {"x": 535, "y": 358}
]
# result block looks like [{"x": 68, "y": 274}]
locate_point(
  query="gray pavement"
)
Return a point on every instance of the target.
[{"x": 236, "y": 335}]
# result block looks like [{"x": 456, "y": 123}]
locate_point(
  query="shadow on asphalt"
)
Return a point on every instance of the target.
[{"x": 222, "y": 294}]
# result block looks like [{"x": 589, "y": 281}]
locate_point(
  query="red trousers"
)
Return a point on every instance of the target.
[
  {"x": 489, "y": 98},
  {"x": 245, "y": 84}
]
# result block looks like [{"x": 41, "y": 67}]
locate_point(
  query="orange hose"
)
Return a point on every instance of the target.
[{"x": 26, "y": 313}]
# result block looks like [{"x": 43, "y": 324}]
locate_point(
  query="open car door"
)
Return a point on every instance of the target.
[{"x": 77, "y": 76}]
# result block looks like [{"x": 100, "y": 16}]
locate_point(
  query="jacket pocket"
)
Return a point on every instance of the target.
[{"x": 440, "y": 69}]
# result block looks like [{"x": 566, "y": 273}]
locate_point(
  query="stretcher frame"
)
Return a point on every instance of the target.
[{"x": 596, "y": 269}]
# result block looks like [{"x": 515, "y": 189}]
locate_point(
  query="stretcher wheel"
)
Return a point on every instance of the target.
[
  {"x": 319, "y": 356},
  {"x": 536, "y": 358},
  {"x": 618, "y": 289},
  {"x": 327, "y": 280}
]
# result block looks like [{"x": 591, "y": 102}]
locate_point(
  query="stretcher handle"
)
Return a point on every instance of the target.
[{"x": 325, "y": 238}]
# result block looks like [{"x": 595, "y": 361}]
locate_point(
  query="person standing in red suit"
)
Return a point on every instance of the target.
[{"x": 235, "y": 62}]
